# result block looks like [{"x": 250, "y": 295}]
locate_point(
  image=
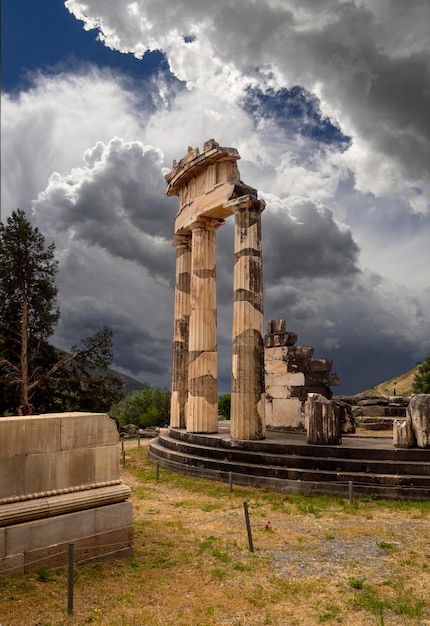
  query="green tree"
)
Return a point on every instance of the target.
[
  {"x": 83, "y": 381},
  {"x": 148, "y": 407},
  {"x": 224, "y": 403},
  {"x": 32, "y": 372},
  {"x": 421, "y": 382}
]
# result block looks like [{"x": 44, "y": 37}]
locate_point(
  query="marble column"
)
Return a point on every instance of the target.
[
  {"x": 180, "y": 331},
  {"x": 248, "y": 386},
  {"x": 202, "y": 409}
]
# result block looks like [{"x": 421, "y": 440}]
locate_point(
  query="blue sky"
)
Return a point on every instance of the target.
[
  {"x": 327, "y": 104},
  {"x": 46, "y": 37}
]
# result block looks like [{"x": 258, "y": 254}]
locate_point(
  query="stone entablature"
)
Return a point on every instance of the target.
[
  {"x": 208, "y": 185},
  {"x": 60, "y": 482},
  {"x": 291, "y": 373}
]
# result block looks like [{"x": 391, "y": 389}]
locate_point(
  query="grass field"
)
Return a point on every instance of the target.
[{"x": 316, "y": 560}]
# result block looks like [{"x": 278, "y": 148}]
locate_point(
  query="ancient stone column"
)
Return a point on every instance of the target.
[
  {"x": 210, "y": 190},
  {"x": 248, "y": 386},
  {"x": 202, "y": 410},
  {"x": 180, "y": 331},
  {"x": 323, "y": 423}
]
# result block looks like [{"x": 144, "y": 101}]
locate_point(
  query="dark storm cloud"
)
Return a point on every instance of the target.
[
  {"x": 306, "y": 241},
  {"x": 136, "y": 349},
  {"x": 117, "y": 201},
  {"x": 360, "y": 71},
  {"x": 359, "y": 58}
]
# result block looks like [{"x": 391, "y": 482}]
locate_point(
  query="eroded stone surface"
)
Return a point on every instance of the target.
[
  {"x": 322, "y": 421},
  {"x": 418, "y": 416}
]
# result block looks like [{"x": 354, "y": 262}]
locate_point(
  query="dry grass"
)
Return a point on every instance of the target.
[
  {"x": 402, "y": 384},
  {"x": 320, "y": 561}
]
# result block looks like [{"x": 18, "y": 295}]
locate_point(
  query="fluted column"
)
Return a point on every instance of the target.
[
  {"x": 248, "y": 388},
  {"x": 202, "y": 409},
  {"x": 180, "y": 331}
]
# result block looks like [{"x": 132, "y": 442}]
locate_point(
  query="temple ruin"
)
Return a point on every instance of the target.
[
  {"x": 286, "y": 431},
  {"x": 210, "y": 190},
  {"x": 271, "y": 377}
]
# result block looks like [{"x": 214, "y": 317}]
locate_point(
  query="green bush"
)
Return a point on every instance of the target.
[
  {"x": 224, "y": 403},
  {"x": 421, "y": 383},
  {"x": 148, "y": 407}
]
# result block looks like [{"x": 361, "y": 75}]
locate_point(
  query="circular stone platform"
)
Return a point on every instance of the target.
[{"x": 284, "y": 462}]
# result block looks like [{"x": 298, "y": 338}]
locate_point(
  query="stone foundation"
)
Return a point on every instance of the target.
[{"x": 60, "y": 483}]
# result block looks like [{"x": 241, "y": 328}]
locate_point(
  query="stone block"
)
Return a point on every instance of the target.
[
  {"x": 321, "y": 378},
  {"x": 403, "y": 435},
  {"x": 106, "y": 464},
  {"x": 29, "y": 435},
  {"x": 272, "y": 354},
  {"x": 2, "y": 542},
  {"x": 278, "y": 392},
  {"x": 269, "y": 380},
  {"x": 12, "y": 565},
  {"x": 275, "y": 367},
  {"x": 322, "y": 421},
  {"x": 288, "y": 353},
  {"x": 281, "y": 413},
  {"x": 276, "y": 326},
  {"x": 71, "y": 468},
  {"x": 372, "y": 411},
  {"x": 319, "y": 365},
  {"x": 114, "y": 516},
  {"x": 297, "y": 353},
  {"x": 45, "y": 532},
  {"x": 418, "y": 416},
  {"x": 41, "y": 473},
  {"x": 103, "y": 544},
  {"x": 12, "y": 475},
  {"x": 60, "y": 470},
  {"x": 97, "y": 546},
  {"x": 280, "y": 339},
  {"x": 291, "y": 379},
  {"x": 87, "y": 430}
]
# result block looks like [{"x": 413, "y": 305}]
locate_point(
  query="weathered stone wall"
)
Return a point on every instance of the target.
[
  {"x": 60, "y": 482},
  {"x": 292, "y": 373}
]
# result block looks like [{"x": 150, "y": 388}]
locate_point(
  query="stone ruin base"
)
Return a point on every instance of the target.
[
  {"x": 291, "y": 373},
  {"x": 325, "y": 420},
  {"x": 60, "y": 483}
]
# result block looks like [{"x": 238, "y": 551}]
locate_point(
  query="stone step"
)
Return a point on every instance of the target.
[
  {"x": 293, "y": 461},
  {"x": 292, "y": 480},
  {"x": 353, "y": 446}
]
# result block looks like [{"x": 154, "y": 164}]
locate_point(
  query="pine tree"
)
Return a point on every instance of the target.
[
  {"x": 28, "y": 311},
  {"x": 30, "y": 368}
]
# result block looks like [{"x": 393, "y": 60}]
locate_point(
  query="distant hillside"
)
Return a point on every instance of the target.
[
  {"x": 130, "y": 384},
  {"x": 402, "y": 384}
]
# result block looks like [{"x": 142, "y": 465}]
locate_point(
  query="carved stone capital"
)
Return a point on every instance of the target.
[{"x": 206, "y": 223}]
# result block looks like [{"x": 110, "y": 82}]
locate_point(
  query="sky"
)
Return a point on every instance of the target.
[{"x": 328, "y": 104}]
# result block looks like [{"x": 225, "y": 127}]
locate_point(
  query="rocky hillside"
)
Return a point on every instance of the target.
[{"x": 402, "y": 385}]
